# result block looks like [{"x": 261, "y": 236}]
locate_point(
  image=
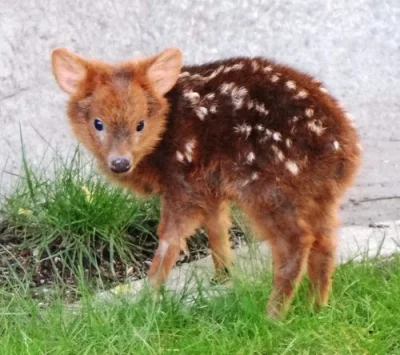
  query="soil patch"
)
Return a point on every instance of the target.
[{"x": 54, "y": 265}]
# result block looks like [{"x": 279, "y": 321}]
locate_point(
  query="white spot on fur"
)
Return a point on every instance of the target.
[
  {"x": 250, "y": 157},
  {"x": 237, "y": 66},
  {"x": 245, "y": 182},
  {"x": 254, "y": 176},
  {"x": 243, "y": 129},
  {"x": 274, "y": 78},
  {"x": 184, "y": 74},
  {"x": 238, "y": 95},
  {"x": 179, "y": 156},
  {"x": 278, "y": 152},
  {"x": 336, "y": 145},
  {"x": 226, "y": 88},
  {"x": 188, "y": 157},
  {"x": 188, "y": 153},
  {"x": 260, "y": 127},
  {"x": 210, "y": 96},
  {"x": 250, "y": 104},
  {"x": 193, "y": 97},
  {"x": 291, "y": 85},
  {"x": 260, "y": 107},
  {"x": 359, "y": 146},
  {"x": 288, "y": 142},
  {"x": 309, "y": 112},
  {"x": 198, "y": 77},
  {"x": 216, "y": 72},
  {"x": 255, "y": 66},
  {"x": 189, "y": 146},
  {"x": 302, "y": 94},
  {"x": 213, "y": 108},
  {"x": 316, "y": 127},
  {"x": 276, "y": 136},
  {"x": 292, "y": 167},
  {"x": 267, "y": 69},
  {"x": 324, "y": 90},
  {"x": 267, "y": 135},
  {"x": 295, "y": 119},
  {"x": 201, "y": 112}
]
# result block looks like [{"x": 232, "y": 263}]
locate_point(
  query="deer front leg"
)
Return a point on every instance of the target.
[{"x": 175, "y": 227}]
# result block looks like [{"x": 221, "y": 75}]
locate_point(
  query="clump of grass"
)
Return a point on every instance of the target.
[
  {"x": 76, "y": 203},
  {"x": 73, "y": 221}
]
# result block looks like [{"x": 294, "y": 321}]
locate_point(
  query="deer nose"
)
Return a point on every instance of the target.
[{"x": 120, "y": 165}]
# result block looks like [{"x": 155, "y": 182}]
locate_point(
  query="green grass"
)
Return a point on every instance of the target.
[
  {"x": 75, "y": 207},
  {"x": 363, "y": 318},
  {"x": 75, "y": 203},
  {"x": 72, "y": 212}
]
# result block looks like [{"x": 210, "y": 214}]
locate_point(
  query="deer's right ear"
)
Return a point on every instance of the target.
[{"x": 69, "y": 70}]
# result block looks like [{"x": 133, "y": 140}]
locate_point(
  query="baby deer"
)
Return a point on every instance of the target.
[{"x": 242, "y": 130}]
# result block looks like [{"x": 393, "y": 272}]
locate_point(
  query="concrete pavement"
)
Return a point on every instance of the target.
[{"x": 355, "y": 243}]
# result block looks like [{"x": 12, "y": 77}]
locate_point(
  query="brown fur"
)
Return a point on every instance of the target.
[{"x": 243, "y": 130}]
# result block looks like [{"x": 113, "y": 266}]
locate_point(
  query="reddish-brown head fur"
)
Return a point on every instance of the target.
[{"x": 127, "y": 99}]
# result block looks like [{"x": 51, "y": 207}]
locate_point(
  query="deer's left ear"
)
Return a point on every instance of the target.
[{"x": 164, "y": 70}]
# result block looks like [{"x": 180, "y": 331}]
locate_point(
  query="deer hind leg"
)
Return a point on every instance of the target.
[
  {"x": 217, "y": 225},
  {"x": 290, "y": 259},
  {"x": 321, "y": 263},
  {"x": 290, "y": 241}
]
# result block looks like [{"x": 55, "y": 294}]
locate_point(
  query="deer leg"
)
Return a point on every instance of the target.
[
  {"x": 174, "y": 229},
  {"x": 217, "y": 225}
]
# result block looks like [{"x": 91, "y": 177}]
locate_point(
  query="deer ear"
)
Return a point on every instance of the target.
[
  {"x": 69, "y": 69},
  {"x": 164, "y": 70}
]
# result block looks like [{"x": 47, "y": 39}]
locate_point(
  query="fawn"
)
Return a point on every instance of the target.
[{"x": 244, "y": 130}]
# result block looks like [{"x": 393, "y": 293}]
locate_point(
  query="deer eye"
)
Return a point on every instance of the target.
[
  {"x": 140, "y": 126},
  {"x": 98, "y": 124}
]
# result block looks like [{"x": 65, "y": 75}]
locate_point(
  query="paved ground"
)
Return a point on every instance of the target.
[{"x": 354, "y": 47}]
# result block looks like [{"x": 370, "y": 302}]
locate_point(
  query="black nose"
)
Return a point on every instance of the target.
[{"x": 120, "y": 165}]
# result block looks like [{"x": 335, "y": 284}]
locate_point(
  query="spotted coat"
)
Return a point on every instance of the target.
[{"x": 284, "y": 120}]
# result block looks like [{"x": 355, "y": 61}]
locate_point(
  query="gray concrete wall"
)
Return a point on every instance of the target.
[{"x": 353, "y": 46}]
